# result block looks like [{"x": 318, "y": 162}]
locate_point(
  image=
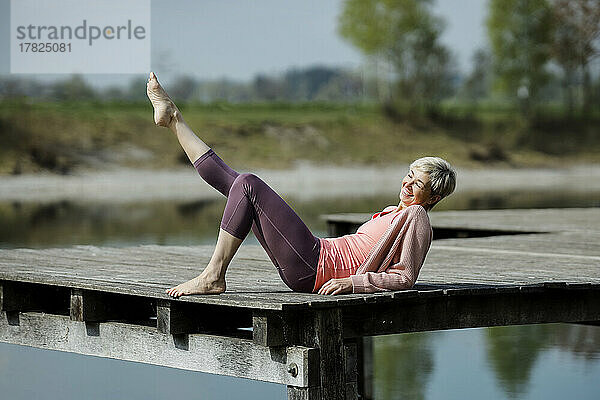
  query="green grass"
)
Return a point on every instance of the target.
[{"x": 63, "y": 137}]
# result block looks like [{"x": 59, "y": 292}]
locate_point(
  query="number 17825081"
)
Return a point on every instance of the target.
[{"x": 35, "y": 47}]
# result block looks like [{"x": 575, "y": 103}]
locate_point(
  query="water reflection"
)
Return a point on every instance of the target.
[
  {"x": 65, "y": 223},
  {"x": 521, "y": 360},
  {"x": 402, "y": 366},
  {"x": 582, "y": 341},
  {"x": 513, "y": 351}
]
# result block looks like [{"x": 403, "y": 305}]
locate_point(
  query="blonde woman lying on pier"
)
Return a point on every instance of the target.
[{"x": 386, "y": 253}]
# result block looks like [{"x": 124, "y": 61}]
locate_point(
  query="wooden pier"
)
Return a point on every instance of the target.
[{"x": 493, "y": 268}]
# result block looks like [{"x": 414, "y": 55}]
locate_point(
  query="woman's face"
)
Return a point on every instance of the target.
[{"x": 416, "y": 189}]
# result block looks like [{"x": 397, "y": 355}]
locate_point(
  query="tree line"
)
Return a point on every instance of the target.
[{"x": 314, "y": 83}]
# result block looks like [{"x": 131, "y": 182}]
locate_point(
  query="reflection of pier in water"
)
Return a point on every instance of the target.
[{"x": 110, "y": 302}]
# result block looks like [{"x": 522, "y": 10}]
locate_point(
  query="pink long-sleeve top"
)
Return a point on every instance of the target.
[{"x": 385, "y": 253}]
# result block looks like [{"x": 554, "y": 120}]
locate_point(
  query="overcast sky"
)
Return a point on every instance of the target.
[{"x": 238, "y": 39}]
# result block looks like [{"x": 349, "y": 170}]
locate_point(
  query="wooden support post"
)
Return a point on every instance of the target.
[
  {"x": 365, "y": 367},
  {"x": 267, "y": 329},
  {"x": 93, "y": 306},
  {"x": 274, "y": 328},
  {"x": 351, "y": 370},
  {"x": 174, "y": 318},
  {"x": 177, "y": 317},
  {"x": 322, "y": 329}
]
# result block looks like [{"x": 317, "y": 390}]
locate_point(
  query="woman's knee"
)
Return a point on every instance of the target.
[{"x": 247, "y": 181}]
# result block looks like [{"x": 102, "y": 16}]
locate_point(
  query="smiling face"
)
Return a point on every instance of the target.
[{"x": 416, "y": 189}]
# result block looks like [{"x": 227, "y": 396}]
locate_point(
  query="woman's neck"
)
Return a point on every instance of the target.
[{"x": 402, "y": 206}]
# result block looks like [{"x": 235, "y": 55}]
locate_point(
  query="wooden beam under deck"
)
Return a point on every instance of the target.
[
  {"x": 473, "y": 308},
  {"x": 195, "y": 352}
]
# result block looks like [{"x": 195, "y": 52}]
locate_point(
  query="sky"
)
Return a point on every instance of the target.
[{"x": 213, "y": 39}]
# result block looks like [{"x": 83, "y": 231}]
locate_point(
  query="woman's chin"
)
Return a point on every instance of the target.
[{"x": 407, "y": 201}]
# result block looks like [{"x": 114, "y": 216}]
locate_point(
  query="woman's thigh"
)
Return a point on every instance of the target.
[{"x": 287, "y": 240}]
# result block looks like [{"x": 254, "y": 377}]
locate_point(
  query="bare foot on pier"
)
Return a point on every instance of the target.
[
  {"x": 165, "y": 111},
  {"x": 199, "y": 285}
]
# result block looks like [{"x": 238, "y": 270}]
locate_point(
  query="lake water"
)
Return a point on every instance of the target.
[{"x": 553, "y": 361}]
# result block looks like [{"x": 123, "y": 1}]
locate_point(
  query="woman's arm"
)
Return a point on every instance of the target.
[{"x": 407, "y": 253}]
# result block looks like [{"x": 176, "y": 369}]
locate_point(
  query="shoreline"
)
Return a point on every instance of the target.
[{"x": 303, "y": 182}]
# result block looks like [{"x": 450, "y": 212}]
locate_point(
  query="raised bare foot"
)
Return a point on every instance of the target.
[
  {"x": 165, "y": 111},
  {"x": 198, "y": 285}
]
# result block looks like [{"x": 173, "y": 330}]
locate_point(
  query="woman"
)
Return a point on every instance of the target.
[{"x": 386, "y": 253}]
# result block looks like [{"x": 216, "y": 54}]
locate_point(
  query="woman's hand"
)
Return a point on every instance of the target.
[{"x": 337, "y": 286}]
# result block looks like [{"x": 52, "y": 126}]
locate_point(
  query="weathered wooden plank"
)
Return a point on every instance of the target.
[
  {"x": 351, "y": 370},
  {"x": 309, "y": 393},
  {"x": 203, "y": 353},
  {"x": 134, "y": 272},
  {"x": 254, "y": 283},
  {"x": 530, "y": 220},
  {"x": 572, "y": 244},
  {"x": 539, "y": 220},
  {"x": 351, "y": 391},
  {"x": 456, "y": 265}
]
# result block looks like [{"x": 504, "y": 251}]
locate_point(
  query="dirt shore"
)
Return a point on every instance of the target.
[{"x": 303, "y": 182}]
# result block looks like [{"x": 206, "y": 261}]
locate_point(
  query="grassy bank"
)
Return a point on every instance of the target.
[{"x": 65, "y": 137}]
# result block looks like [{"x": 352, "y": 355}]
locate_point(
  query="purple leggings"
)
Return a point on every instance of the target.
[{"x": 251, "y": 203}]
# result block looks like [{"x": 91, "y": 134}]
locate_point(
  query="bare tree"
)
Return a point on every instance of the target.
[
  {"x": 405, "y": 34},
  {"x": 576, "y": 44},
  {"x": 520, "y": 34}
]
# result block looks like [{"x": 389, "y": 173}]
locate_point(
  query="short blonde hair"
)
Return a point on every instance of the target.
[{"x": 441, "y": 174}]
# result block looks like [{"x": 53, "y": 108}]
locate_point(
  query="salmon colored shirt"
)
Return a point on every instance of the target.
[{"x": 343, "y": 256}]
